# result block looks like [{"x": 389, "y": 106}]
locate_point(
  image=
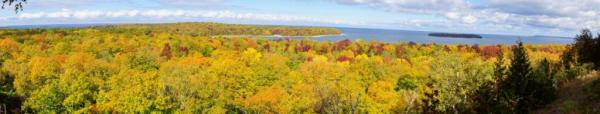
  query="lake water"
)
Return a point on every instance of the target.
[{"x": 392, "y": 36}]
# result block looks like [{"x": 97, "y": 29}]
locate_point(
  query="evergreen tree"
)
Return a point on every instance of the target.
[
  {"x": 543, "y": 84},
  {"x": 585, "y": 46},
  {"x": 517, "y": 79},
  {"x": 489, "y": 98},
  {"x": 595, "y": 54},
  {"x": 523, "y": 88},
  {"x": 568, "y": 58},
  {"x": 499, "y": 96}
]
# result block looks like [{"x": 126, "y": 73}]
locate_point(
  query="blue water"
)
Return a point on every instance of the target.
[{"x": 390, "y": 36}]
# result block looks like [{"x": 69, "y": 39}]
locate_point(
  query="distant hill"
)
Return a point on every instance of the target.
[
  {"x": 200, "y": 29},
  {"x": 219, "y": 29},
  {"x": 455, "y": 35},
  {"x": 51, "y": 26},
  {"x": 545, "y": 36}
]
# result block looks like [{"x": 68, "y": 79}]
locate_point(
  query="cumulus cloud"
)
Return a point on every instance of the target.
[
  {"x": 464, "y": 18},
  {"x": 568, "y": 15},
  {"x": 411, "y": 6},
  {"x": 564, "y": 14},
  {"x": 166, "y": 14},
  {"x": 191, "y": 2},
  {"x": 456, "y": 11},
  {"x": 553, "y": 8},
  {"x": 61, "y": 3},
  {"x": 553, "y": 14}
]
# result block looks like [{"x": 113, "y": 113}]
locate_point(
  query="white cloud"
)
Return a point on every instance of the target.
[
  {"x": 59, "y": 15},
  {"x": 453, "y": 15},
  {"x": 67, "y": 3},
  {"x": 31, "y": 15},
  {"x": 191, "y": 2},
  {"x": 412, "y": 6},
  {"x": 123, "y": 13},
  {"x": 469, "y": 19},
  {"x": 570, "y": 15},
  {"x": 175, "y": 14},
  {"x": 551, "y": 8},
  {"x": 563, "y": 14},
  {"x": 88, "y": 14}
]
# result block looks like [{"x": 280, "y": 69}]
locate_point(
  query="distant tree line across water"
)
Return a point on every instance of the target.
[{"x": 219, "y": 29}]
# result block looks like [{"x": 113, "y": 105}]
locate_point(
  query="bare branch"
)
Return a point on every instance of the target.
[{"x": 18, "y": 4}]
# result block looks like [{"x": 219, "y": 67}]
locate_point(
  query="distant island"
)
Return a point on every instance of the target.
[
  {"x": 455, "y": 35},
  {"x": 546, "y": 36}
]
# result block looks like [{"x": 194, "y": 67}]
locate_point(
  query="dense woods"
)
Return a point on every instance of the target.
[
  {"x": 219, "y": 29},
  {"x": 187, "y": 68}
]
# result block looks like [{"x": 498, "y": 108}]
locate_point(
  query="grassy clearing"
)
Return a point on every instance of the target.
[{"x": 574, "y": 98}]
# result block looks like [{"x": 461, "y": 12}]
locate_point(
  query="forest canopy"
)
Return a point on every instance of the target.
[{"x": 189, "y": 68}]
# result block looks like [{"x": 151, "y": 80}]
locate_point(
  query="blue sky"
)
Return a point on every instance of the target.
[{"x": 519, "y": 17}]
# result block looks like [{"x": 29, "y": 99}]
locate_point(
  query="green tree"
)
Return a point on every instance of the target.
[
  {"x": 518, "y": 77},
  {"x": 48, "y": 99},
  {"x": 522, "y": 87},
  {"x": 596, "y": 52},
  {"x": 586, "y": 48},
  {"x": 489, "y": 97},
  {"x": 544, "y": 83},
  {"x": 9, "y": 99}
]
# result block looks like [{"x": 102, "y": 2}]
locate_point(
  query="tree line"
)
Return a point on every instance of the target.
[{"x": 219, "y": 29}]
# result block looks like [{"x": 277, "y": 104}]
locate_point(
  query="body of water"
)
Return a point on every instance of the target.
[{"x": 390, "y": 36}]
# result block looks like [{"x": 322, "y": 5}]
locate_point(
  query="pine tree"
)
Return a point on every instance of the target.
[
  {"x": 595, "y": 54},
  {"x": 523, "y": 88},
  {"x": 568, "y": 58},
  {"x": 489, "y": 97},
  {"x": 499, "y": 69},
  {"x": 544, "y": 84},
  {"x": 517, "y": 79},
  {"x": 585, "y": 47}
]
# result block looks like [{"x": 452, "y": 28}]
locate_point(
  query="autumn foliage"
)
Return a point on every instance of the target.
[{"x": 183, "y": 68}]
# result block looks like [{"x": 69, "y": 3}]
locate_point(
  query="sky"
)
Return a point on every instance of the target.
[{"x": 514, "y": 17}]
